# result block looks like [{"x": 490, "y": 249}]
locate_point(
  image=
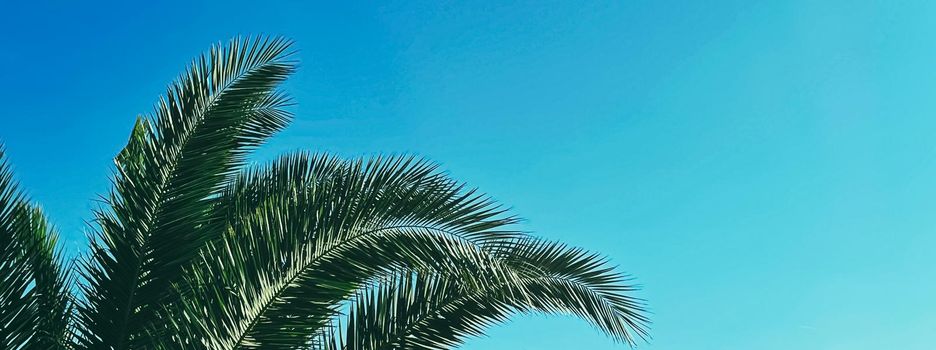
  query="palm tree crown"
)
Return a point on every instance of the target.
[{"x": 194, "y": 248}]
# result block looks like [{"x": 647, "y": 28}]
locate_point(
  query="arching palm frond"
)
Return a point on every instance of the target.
[
  {"x": 176, "y": 162},
  {"x": 34, "y": 284},
  {"x": 192, "y": 249},
  {"x": 316, "y": 230},
  {"x": 433, "y": 311}
]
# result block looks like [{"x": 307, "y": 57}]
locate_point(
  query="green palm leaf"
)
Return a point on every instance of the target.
[
  {"x": 15, "y": 276},
  {"x": 34, "y": 285},
  {"x": 432, "y": 311},
  {"x": 194, "y": 249},
  {"x": 320, "y": 229},
  {"x": 159, "y": 213}
]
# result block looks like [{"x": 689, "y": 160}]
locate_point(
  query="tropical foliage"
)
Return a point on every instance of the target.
[{"x": 195, "y": 248}]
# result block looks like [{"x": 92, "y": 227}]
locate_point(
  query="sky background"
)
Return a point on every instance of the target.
[{"x": 766, "y": 171}]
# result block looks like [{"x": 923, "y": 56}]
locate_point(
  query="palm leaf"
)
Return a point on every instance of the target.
[
  {"x": 432, "y": 311},
  {"x": 193, "y": 249},
  {"x": 159, "y": 213},
  {"x": 34, "y": 285},
  {"x": 15, "y": 274},
  {"x": 52, "y": 281},
  {"x": 320, "y": 229}
]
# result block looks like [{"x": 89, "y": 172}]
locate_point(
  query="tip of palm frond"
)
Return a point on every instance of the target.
[{"x": 279, "y": 46}]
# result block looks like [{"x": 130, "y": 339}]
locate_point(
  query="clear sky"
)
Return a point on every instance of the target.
[{"x": 766, "y": 171}]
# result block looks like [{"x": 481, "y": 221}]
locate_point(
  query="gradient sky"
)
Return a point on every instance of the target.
[{"x": 767, "y": 172}]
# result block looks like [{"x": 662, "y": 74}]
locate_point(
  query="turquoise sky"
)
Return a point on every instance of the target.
[{"x": 767, "y": 172}]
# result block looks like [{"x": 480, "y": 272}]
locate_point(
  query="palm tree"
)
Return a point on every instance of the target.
[{"x": 194, "y": 248}]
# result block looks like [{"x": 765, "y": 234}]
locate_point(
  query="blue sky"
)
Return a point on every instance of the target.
[{"x": 766, "y": 171}]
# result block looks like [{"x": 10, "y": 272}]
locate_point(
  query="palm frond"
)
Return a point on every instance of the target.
[
  {"x": 34, "y": 284},
  {"x": 15, "y": 273},
  {"x": 193, "y": 249},
  {"x": 622, "y": 316},
  {"x": 317, "y": 229},
  {"x": 52, "y": 281},
  {"x": 159, "y": 213},
  {"x": 435, "y": 311}
]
